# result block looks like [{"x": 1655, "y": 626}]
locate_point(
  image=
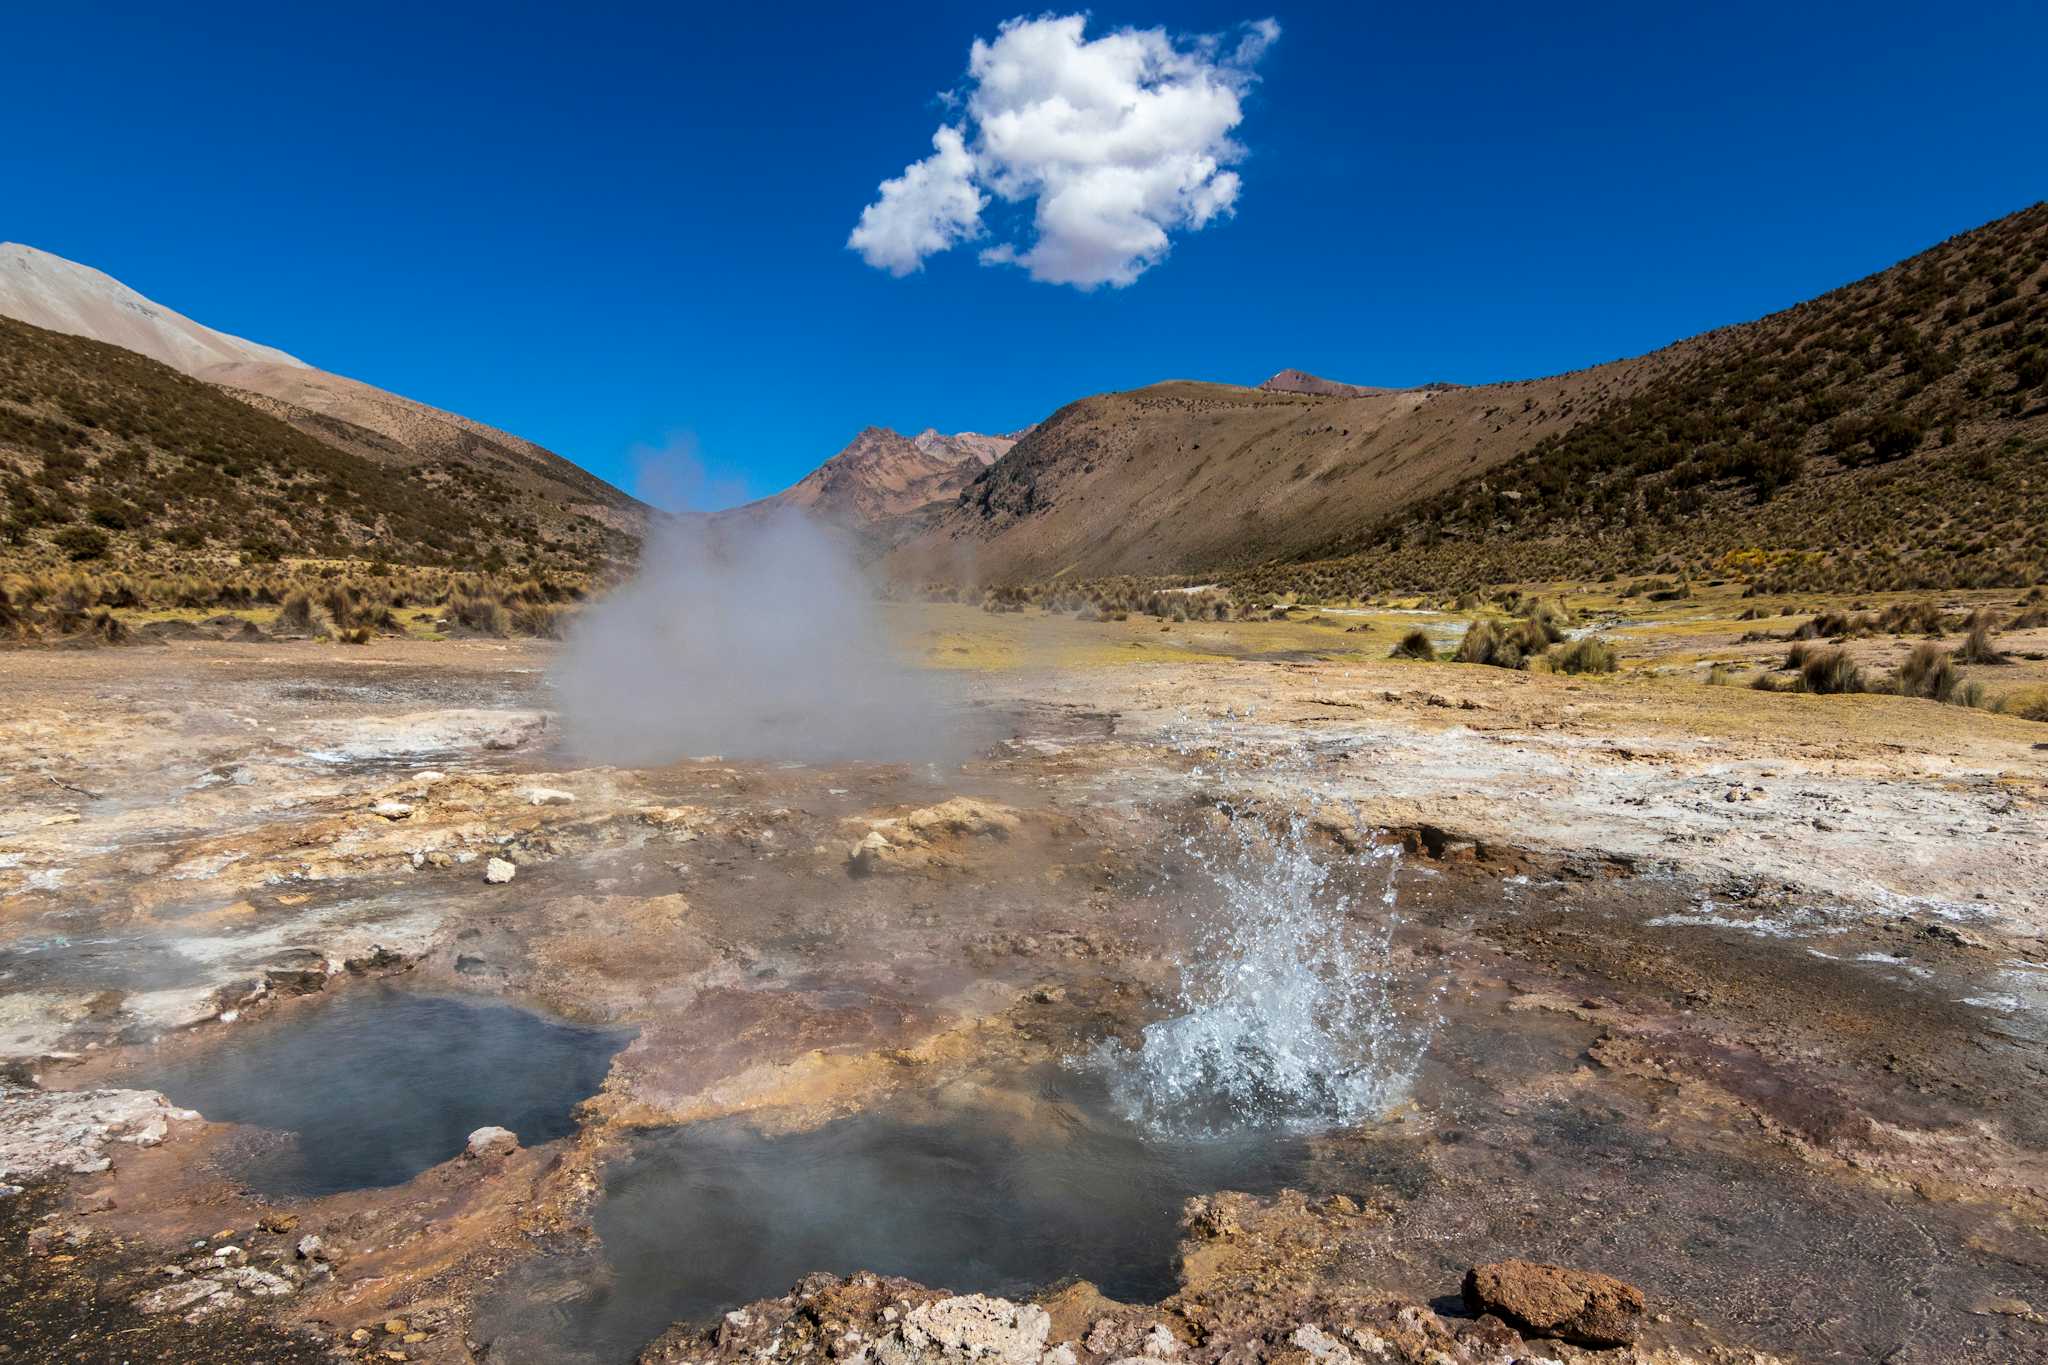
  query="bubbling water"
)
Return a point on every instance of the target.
[{"x": 1287, "y": 1003}]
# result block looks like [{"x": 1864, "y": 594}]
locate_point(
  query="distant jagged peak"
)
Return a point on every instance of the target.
[
  {"x": 965, "y": 445},
  {"x": 883, "y": 474}
]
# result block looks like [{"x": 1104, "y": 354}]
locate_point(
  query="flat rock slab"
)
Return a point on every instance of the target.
[
  {"x": 1580, "y": 1306},
  {"x": 46, "y": 1131}
]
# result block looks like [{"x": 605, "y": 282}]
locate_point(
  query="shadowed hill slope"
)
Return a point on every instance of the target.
[
  {"x": 1890, "y": 434},
  {"x": 107, "y": 455},
  {"x": 446, "y": 447}
]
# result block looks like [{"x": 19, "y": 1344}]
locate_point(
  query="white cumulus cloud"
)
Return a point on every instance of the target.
[
  {"x": 928, "y": 208},
  {"x": 1115, "y": 142}
]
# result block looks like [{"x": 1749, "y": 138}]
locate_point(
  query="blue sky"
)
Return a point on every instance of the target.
[{"x": 612, "y": 227}]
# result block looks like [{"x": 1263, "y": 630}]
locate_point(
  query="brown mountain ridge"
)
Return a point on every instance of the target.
[{"x": 1891, "y": 432}]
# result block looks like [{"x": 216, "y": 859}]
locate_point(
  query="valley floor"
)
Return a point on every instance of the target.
[{"x": 1738, "y": 996}]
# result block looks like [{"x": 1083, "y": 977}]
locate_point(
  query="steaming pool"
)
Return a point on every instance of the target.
[
  {"x": 376, "y": 1085},
  {"x": 1002, "y": 1195},
  {"x": 1003, "y": 1191}
]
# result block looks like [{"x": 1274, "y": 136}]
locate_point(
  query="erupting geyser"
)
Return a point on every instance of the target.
[{"x": 1287, "y": 1000}]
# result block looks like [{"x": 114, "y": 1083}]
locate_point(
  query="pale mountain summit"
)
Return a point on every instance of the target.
[{"x": 63, "y": 296}]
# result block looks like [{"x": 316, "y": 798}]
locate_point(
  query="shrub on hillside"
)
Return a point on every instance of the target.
[{"x": 81, "y": 543}]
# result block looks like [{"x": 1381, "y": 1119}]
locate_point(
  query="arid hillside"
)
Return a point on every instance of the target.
[
  {"x": 525, "y": 482},
  {"x": 110, "y": 458},
  {"x": 1891, "y": 433},
  {"x": 1185, "y": 477}
]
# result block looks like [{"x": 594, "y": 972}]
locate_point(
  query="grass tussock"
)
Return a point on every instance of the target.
[
  {"x": 480, "y": 616},
  {"x": 1486, "y": 643},
  {"x": 1414, "y": 645},
  {"x": 1528, "y": 634},
  {"x": 1588, "y": 654},
  {"x": 1829, "y": 672},
  {"x": 1817, "y": 669},
  {"x": 356, "y": 601},
  {"x": 296, "y": 615},
  {"x": 1929, "y": 672},
  {"x": 2030, "y": 704},
  {"x": 1912, "y": 618},
  {"x": 1977, "y": 648}
]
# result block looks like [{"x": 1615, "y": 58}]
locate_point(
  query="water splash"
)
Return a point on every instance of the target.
[{"x": 1287, "y": 1003}]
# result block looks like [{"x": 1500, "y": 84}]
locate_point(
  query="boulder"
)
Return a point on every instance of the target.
[
  {"x": 497, "y": 871},
  {"x": 492, "y": 1142},
  {"x": 1579, "y": 1306},
  {"x": 870, "y": 853}
]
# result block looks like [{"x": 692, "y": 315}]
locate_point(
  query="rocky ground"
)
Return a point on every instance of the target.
[{"x": 1737, "y": 998}]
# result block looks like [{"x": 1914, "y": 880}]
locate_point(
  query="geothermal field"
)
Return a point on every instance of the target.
[
  {"x": 1001, "y": 985},
  {"x": 1524, "y": 842}
]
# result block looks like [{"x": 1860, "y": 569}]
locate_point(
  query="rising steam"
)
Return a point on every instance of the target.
[{"x": 748, "y": 638}]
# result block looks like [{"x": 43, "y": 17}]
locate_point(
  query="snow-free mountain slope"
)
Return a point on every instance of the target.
[{"x": 457, "y": 454}]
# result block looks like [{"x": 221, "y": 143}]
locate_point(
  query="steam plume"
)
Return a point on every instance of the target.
[{"x": 753, "y": 638}]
